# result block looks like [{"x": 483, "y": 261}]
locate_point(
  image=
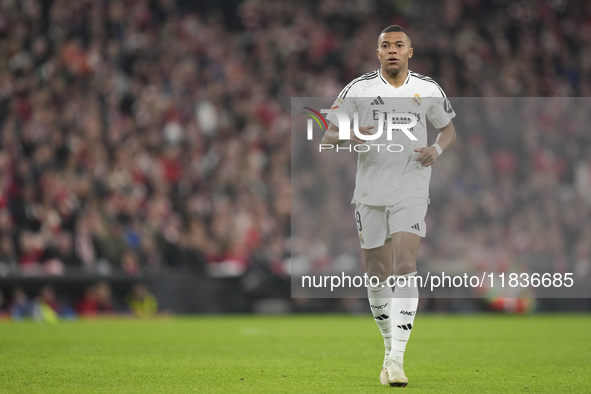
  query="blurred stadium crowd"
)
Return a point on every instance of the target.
[
  {"x": 145, "y": 134},
  {"x": 97, "y": 300}
]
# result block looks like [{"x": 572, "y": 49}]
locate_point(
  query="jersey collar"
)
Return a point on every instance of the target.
[{"x": 386, "y": 82}]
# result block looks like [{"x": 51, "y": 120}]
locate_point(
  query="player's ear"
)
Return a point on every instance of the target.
[
  {"x": 410, "y": 53},
  {"x": 378, "y": 52}
]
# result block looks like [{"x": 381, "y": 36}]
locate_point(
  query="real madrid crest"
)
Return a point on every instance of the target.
[{"x": 416, "y": 100}]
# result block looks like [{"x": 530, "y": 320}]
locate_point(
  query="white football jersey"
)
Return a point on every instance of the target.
[{"x": 388, "y": 173}]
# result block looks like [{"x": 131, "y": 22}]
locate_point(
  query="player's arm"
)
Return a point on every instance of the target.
[
  {"x": 445, "y": 137},
  {"x": 331, "y": 136}
]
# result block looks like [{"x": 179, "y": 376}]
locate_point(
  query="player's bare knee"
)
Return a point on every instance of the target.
[
  {"x": 378, "y": 269},
  {"x": 405, "y": 265},
  {"x": 378, "y": 272}
]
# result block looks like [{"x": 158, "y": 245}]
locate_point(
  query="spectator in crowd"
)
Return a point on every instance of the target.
[
  {"x": 8, "y": 256},
  {"x": 48, "y": 297},
  {"x": 97, "y": 300},
  {"x": 3, "y": 312},
  {"x": 142, "y": 302},
  {"x": 21, "y": 305},
  {"x": 46, "y": 306}
]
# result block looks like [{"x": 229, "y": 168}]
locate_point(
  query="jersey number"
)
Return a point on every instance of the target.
[{"x": 358, "y": 216}]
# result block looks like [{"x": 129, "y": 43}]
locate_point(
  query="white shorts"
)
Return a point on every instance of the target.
[{"x": 375, "y": 224}]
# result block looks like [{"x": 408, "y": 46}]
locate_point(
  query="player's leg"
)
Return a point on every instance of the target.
[
  {"x": 377, "y": 252},
  {"x": 406, "y": 296},
  {"x": 378, "y": 261},
  {"x": 408, "y": 226},
  {"x": 379, "y": 264},
  {"x": 404, "y": 303}
]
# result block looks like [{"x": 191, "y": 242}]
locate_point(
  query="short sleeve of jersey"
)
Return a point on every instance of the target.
[
  {"x": 346, "y": 102},
  {"x": 440, "y": 113}
]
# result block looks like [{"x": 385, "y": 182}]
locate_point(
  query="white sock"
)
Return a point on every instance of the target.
[
  {"x": 380, "y": 300},
  {"x": 403, "y": 310}
]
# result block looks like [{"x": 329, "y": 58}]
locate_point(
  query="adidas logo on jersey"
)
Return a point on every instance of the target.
[
  {"x": 405, "y": 327},
  {"x": 416, "y": 227},
  {"x": 378, "y": 101}
]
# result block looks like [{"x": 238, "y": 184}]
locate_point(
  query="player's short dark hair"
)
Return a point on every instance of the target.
[{"x": 395, "y": 28}]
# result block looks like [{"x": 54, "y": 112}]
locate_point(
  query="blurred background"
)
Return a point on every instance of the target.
[{"x": 145, "y": 156}]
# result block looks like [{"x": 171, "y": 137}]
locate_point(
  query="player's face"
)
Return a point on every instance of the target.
[{"x": 394, "y": 50}]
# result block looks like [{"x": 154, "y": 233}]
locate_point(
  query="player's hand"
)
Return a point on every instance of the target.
[
  {"x": 363, "y": 130},
  {"x": 427, "y": 156}
]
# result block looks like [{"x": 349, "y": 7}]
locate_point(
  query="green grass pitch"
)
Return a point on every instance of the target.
[{"x": 295, "y": 354}]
